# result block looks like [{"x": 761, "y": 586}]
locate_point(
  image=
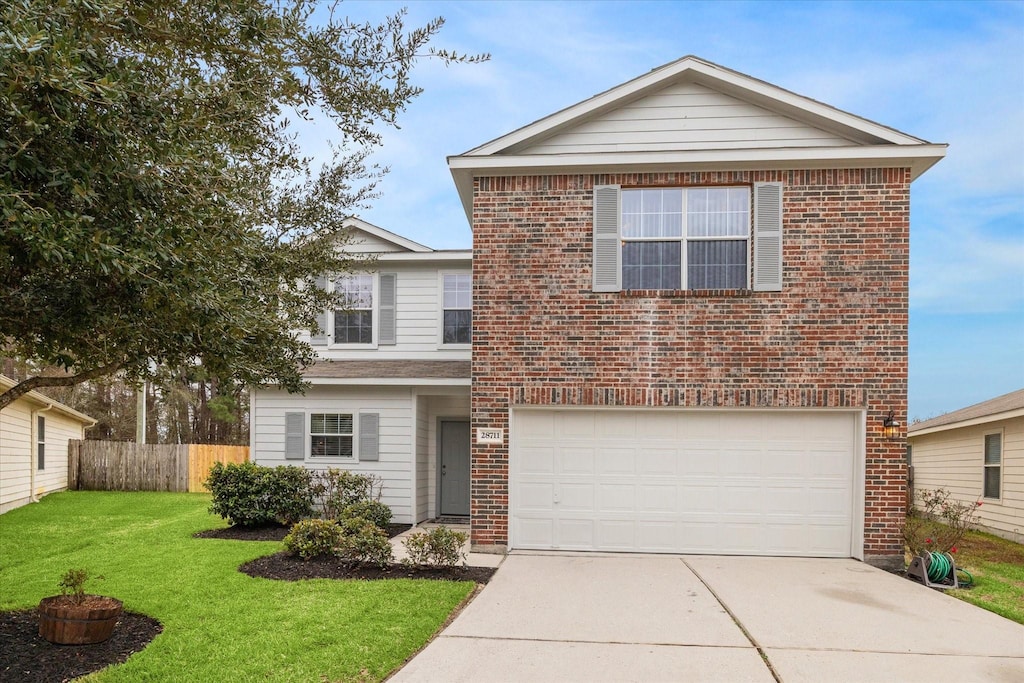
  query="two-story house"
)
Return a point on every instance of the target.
[
  {"x": 689, "y": 333},
  {"x": 390, "y": 389}
]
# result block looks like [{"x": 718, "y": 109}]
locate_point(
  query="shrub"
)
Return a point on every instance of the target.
[
  {"x": 370, "y": 510},
  {"x": 247, "y": 494},
  {"x": 936, "y": 523},
  {"x": 364, "y": 541},
  {"x": 290, "y": 494},
  {"x": 440, "y": 547},
  {"x": 336, "y": 489},
  {"x": 312, "y": 537}
]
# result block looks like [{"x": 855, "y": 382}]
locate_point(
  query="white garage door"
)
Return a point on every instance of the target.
[{"x": 717, "y": 482}]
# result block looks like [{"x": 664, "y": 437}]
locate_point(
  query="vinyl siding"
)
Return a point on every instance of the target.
[
  {"x": 422, "y": 460},
  {"x": 417, "y": 318},
  {"x": 953, "y": 459},
  {"x": 18, "y": 453},
  {"x": 396, "y": 434},
  {"x": 685, "y": 116},
  {"x": 363, "y": 243}
]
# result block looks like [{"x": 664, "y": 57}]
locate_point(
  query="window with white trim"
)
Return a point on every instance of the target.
[
  {"x": 993, "y": 466},
  {"x": 354, "y": 324},
  {"x": 457, "y": 308},
  {"x": 686, "y": 238},
  {"x": 40, "y": 442},
  {"x": 331, "y": 435}
]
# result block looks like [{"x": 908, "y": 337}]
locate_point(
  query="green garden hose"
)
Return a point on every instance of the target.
[
  {"x": 970, "y": 579},
  {"x": 939, "y": 566}
]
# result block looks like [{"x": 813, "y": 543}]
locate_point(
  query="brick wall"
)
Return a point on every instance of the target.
[{"x": 836, "y": 336}]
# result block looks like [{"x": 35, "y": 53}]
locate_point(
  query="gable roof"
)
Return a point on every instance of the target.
[
  {"x": 998, "y": 408},
  {"x": 43, "y": 401},
  {"x": 356, "y": 225},
  {"x": 821, "y": 136}
]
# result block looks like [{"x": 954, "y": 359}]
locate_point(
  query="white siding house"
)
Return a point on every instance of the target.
[
  {"x": 34, "y": 435},
  {"x": 390, "y": 387},
  {"x": 977, "y": 454}
]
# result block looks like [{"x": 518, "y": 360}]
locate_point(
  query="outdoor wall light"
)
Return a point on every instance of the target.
[{"x": 890, "y": 427}]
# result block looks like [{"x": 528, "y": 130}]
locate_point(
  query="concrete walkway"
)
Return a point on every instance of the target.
[{"x": 593, "y": 617}]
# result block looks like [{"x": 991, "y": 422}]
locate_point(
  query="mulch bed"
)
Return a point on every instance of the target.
[
  {"x": 27, "y": 658},
  {"x": 284, "y": 567},
  {"x": 274, "y": 532}
]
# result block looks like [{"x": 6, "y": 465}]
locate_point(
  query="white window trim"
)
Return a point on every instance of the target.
[
  {"x": 440, "y": 309},
  {"x": 310, "y": 458},
  {"x": 331, "y": 344},
  {"x": 985, "y": 467},
  {"x": 40, "y": 442},
  {"x": 685, "y": 239}
]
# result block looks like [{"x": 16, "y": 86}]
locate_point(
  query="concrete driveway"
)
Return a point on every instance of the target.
[{"x": 591, "y": 617}]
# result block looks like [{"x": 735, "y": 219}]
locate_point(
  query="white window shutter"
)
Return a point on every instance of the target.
[
  {"x": 386, "y": 331},
  {"x": 318, "y": 337},
  {"x": 767, "y": 237},
  {"x": 294, "y": 436},
  {"x": 607, "y": 239},
  {"x": 369, "y": 437}
]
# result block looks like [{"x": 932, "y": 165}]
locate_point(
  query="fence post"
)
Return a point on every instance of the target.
[{"x": 74, "y": 459}]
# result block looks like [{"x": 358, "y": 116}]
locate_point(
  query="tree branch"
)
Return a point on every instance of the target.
[{"x": 18, "y": 390}]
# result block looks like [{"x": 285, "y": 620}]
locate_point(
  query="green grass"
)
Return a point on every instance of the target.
[
  {"x": 997, "y": 566},
  {"x": 219, "y": 624}
]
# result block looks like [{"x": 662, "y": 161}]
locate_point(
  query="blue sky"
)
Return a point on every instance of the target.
[{"x": 945, "y": 72}]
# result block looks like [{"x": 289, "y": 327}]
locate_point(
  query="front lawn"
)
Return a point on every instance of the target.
[
  {"x": 997, "y": 566},
  {"x": 219, "y": 624}
]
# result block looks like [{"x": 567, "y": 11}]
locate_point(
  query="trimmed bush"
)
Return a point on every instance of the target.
[
  {"x": 247, "y": 494},
  {"x": 336, "y": 489},
  {"x": 370, "y": 510},
  {"x": 312, "y": 537},
  {"x": 439, "y": 547},
  {"x": 364, "y": 541}
]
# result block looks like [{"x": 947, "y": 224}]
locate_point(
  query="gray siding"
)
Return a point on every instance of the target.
[{"x": 685, "y": 116}]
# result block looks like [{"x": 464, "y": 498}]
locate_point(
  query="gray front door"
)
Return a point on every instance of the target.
[{"x": 454, "y": 468}]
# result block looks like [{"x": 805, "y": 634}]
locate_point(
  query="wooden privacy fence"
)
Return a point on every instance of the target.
[{"x": 126, "y": 466}]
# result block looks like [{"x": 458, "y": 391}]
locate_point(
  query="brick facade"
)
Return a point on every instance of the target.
[{"x": 835, "y": 337}]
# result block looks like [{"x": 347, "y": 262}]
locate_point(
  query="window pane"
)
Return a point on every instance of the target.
[
  {"x": 651, "y": 265},
  {"x": 458, "y": 327},
  {"x": 718, "y": 212},
  {"x": 353, "y": 327},
  {"x": 993, "y": 449},
  {"x": 316, "y": 424},
  {"x": 716, "y": 265},
  {"x": 331, "y": 447},
  {"x": 356, "y": 290},
  {"x": 992, "y": 482},
  {"x": 458, "y": 291},
  {"x": 652, "y": 213}
]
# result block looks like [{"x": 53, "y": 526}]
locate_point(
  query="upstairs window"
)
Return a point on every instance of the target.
[
  {"x": 457, "y": 315},
  {"x": 697, "y": 238},
  {"x": 355, "y": 324},
  {"x": 685, "y": 238},
  {"x": 330, "y": 435},
  {"x": 993, "y": 466}
]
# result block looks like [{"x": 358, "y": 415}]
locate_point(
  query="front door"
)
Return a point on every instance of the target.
[{"x": 454, "y": 496}]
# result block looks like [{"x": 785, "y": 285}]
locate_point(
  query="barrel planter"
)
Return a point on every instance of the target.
[{"x": 64, "y": 621}]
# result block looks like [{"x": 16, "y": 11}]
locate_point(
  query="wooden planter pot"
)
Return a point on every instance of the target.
[{"x": 63, "y": 622}]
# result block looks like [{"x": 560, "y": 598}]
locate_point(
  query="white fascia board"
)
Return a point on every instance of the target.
[
  {"x": 390, "y": 381},
  {"x": 386, "y": 235},
  {"x": 919, "y": 158},
  {"x": 445, "y": 256},
  {"x": 716, "y": 77},
  {"x": 996, "y": 417}
]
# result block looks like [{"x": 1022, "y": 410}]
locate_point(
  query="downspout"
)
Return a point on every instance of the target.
[{"x": 34, "y": 453}]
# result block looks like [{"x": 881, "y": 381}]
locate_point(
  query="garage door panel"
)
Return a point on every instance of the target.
[{"x": 735, "y": 482}]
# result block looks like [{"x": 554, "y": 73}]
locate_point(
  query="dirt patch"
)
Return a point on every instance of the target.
[
  {"x": 274, "y": 532},
  {"x": 992, "y": 549},
  {"x": 27, "y": 658},
  {"x": 284, "y": 567}
]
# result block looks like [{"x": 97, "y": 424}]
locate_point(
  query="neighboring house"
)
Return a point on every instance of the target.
[
  {"x": 390, "y": 391},
  {"x": 977, "y": 454},
  {"x": 34, "y": 434},
  {"x": 690, "y": 323}
]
